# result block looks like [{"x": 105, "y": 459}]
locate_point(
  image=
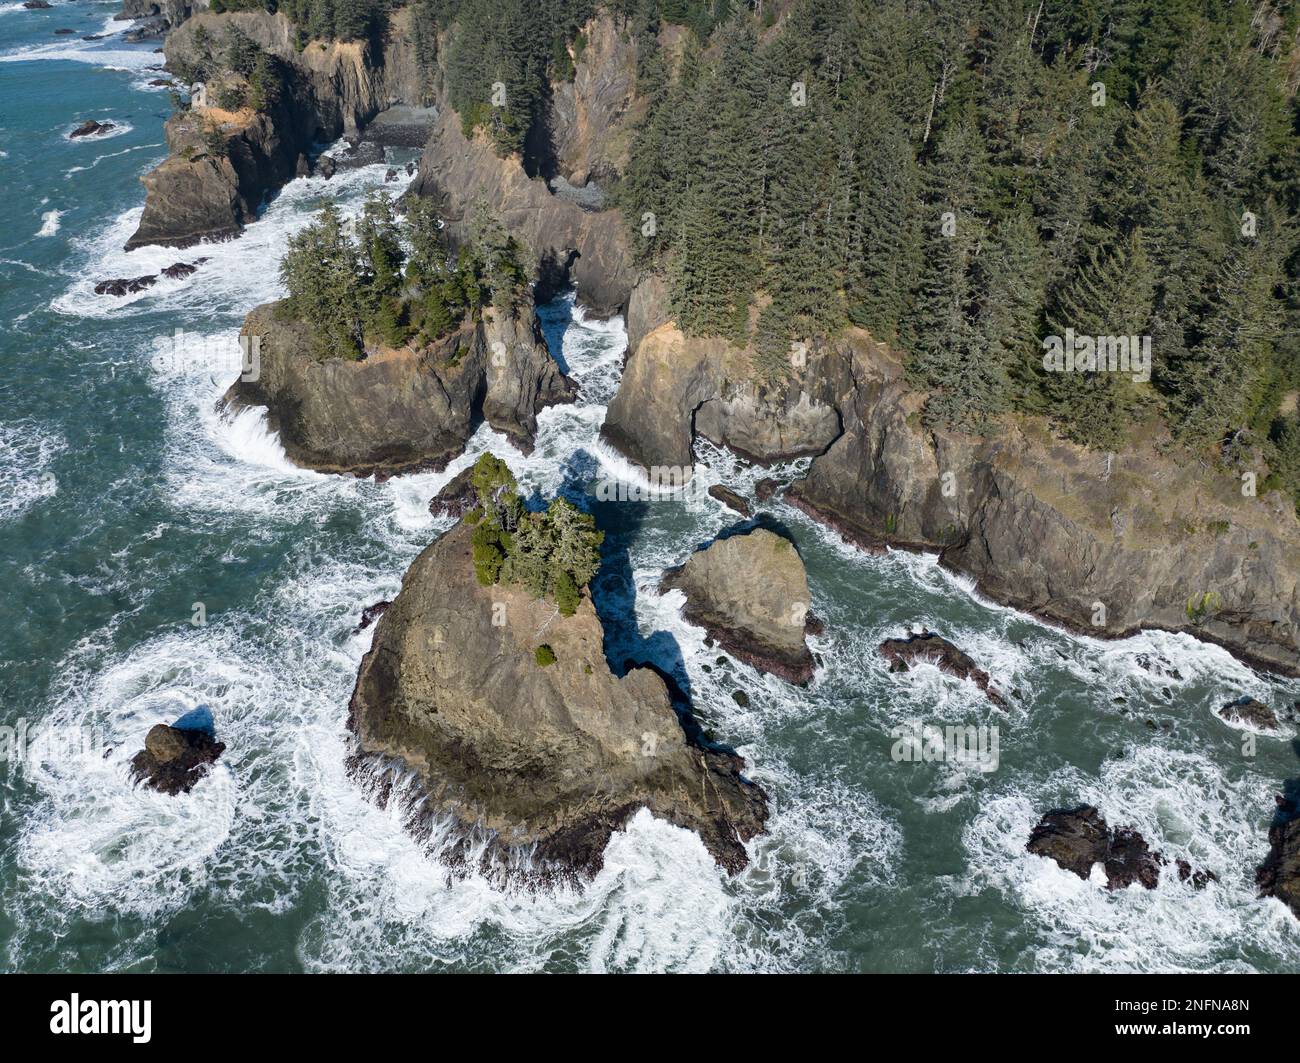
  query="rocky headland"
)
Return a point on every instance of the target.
[
  {"x": 401, "y": 410},
  {"x": 223, "y": 164},
  {"x": 1106, "y": 545}
]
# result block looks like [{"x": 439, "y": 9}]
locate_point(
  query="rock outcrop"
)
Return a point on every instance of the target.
[
  {"x": 91, "y": 128},
  {"x": 400, "y": 410},
  {"x": 938, "y": 651},
  {"x": 675, "y": 387},
  {"x": 177, "y": 756},
  {"x": 588, "y": 135},
  {"x": 1279, "y": 875},
  {"x": 330, "y": 91},
  {"x": 1104, "y": 544},
  {"x": 1248, "y": 712},
  {"x": 750, "y": 592},
  {"x": 1078, "y": 838},
  {"x": 547, "y": 760}
]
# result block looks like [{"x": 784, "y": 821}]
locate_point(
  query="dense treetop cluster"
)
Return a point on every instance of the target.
[
  {"x": 552, "y": 552},
  {"x": 965, "y": 179},
  {"x": 393, "y": 278}
]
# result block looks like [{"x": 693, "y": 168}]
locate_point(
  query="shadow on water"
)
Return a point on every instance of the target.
[{"x": 613, "y": 592}]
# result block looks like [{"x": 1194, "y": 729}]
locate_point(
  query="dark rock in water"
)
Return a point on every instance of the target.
[
  {"x": 1199, "y": 878},
  {"x": 370, "y": 614},
  {"x": 175, "y": 758},
  {"x": 1251, "y": 713},
  {"x": 363, "y": 153},
  {"x": 730, "y": 499},
  {"x": 740, "y": 698},
  {"x": 326, "y": 167},
  {"x": 390, "y": 175},
  {"x": 750, "y": 593},
  {"x": 932, "y": 648},
  {"x": 126, "y": 285},
  {"x": 1075, "y": 838},
  {"x": 147, "y": 30},
  {"x": 159, "y": 83},
  {"x": 457, "y": 496},
  {"x": 410, "y": 169},
  {"x": 1078, "y": 838},
  {"x": 64, "y": 32},
  {"x": 91, "y": 128},
  {"x": 1130, "y": 860},
  {"x": 303, "y": 167},
  {"x": 544, "y": 760},
  {"x": 765, "y": 488},
  {"x": 37, "y": 5},
  {"x": 1279, "y": 875},
  {"x": 179, "y": 270}
]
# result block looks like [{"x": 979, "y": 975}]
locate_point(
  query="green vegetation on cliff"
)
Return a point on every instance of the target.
[
  {"x": 393, "y": 278},
  {"x": 966, "y": 179},
  {"x": 555, "y": 552}
]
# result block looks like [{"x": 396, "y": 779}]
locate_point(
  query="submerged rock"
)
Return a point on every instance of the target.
[
  {"x": 542, "y": 762},
  {"x": 176, "y": 757},
  {"x": 936, "y": 650},
  {"x": 1250, "y": 713},
  {"x": 179, "y": 270},
  {"x": 730, "y": 499},
  {"x": 750, "y": 592},
  {"x": 1279, "y": 875},
  {"x": 1078, "y": 838}
]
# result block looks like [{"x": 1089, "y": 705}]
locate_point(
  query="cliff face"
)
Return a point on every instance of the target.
[
  {"x": 1143, "y": 539},
  {"x": 675, "y": 388},
  {"x": 397, "y": 411},
  {"x": 331, "y": 90},
  {"x": 586, "y": 135},
  {"x": 548, "y": 758}
]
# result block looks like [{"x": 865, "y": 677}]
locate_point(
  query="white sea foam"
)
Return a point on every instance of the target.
[
  {"x": 27, "y": 452},
  {"x": 50, "y": 223},
  {"x": 1185, "y": 806}
]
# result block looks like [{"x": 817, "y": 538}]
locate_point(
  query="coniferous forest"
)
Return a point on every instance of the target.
[{"x": 961, "y": 179}]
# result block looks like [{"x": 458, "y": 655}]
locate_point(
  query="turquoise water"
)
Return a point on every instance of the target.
[{"x": 125, "y": 499}]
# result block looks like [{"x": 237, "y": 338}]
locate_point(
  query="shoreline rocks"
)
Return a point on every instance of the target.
[
  {"x": 327, "y": 91},
  {"x": 1279, "y": 875},
  {"x": 177, "y": 756},
  {"x": 938, "y": 651},
  {"x": 1040, "y": 524},
  {"x": 749, "y": 591},
  {"x": 540, "y": 764}
]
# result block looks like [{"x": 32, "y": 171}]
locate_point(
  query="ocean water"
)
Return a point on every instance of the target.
[{"x": 129, "y": 508}]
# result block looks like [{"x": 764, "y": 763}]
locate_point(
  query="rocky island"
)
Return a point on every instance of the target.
[{"x": 503, "y": 704}]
